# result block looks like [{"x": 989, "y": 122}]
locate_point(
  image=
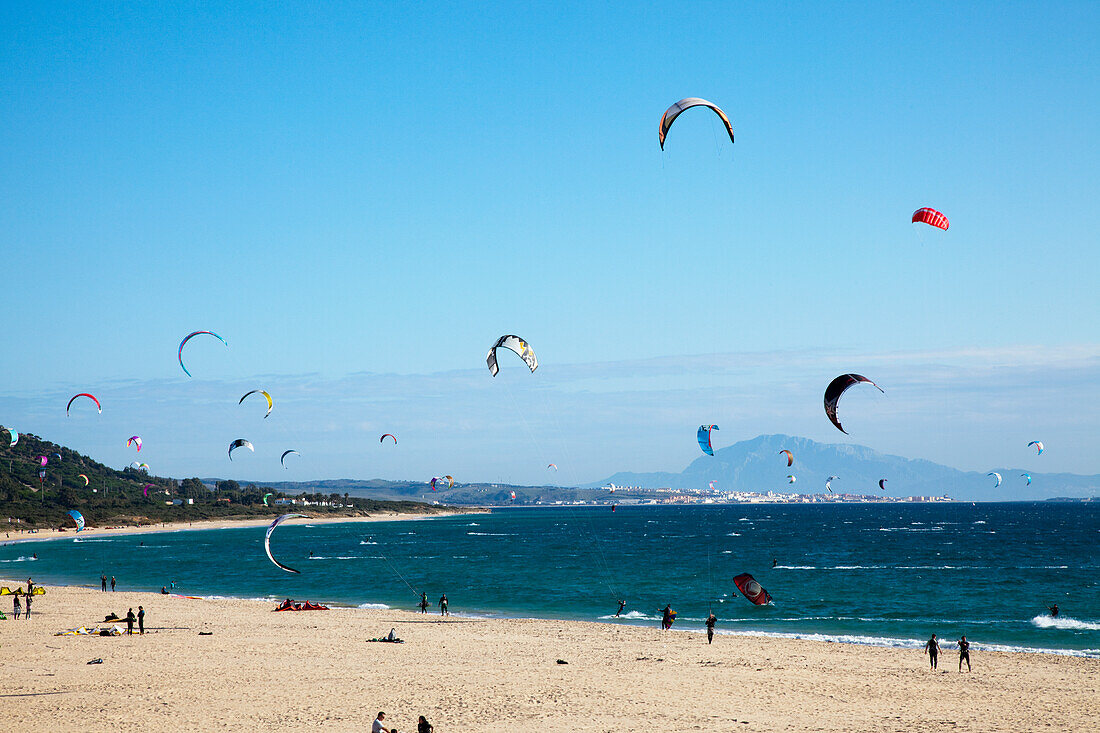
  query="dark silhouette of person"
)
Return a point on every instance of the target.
[
  {"x": 424, "y": 603},
  {"x": 666, "y": 617},
  {"x": 103, "y": 583},
  {"x": 112, "y": 584},
  {"x": 423, "y": 726},
  {"x": 964, "y": 653},
  {"x": 933, "y": 648},
  {"x": 443, "y": 606},
  {"x": 774, "y": 562},
  {"x": 711, "y": 621},
  {"x": 141, "y": 620},
  {"x": 622, "y": 605},
  {"x": 130, "y": 619},
  {"x": 1053, "y": 610}
]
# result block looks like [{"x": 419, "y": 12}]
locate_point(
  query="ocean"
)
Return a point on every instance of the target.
[{"x": 883, "y": 574}]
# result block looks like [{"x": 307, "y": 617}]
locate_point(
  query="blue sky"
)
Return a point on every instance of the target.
[{"x": 361, "y": 198}]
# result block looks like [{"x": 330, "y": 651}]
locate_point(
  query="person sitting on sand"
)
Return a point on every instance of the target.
[
  {"x": 622, "y": 605},
  {"x": 163, "y": 590},
  {"x": 377, "y": 726},
  {"x": 423, "y": 726},
  {"x": 1053, "y": 610},
  {"x": 964, "y": 653},
  {"x": 933, "y": 648}
]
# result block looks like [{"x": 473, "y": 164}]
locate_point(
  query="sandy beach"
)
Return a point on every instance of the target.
[{"x": 261, "y": 670}]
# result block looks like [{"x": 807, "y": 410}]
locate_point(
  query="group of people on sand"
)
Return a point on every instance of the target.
[
  {"x": 932, "y": 646},
  {"x": 103, "y": 583},
  {"x": 425, "y": 605},
  {"x": 379, "y": 725},
  {"x": 17, "y": 606}
]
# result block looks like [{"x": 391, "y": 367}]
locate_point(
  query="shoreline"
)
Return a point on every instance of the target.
[
  {"x": 43, "y": 535},
  {"x": 314, "y": 669}
]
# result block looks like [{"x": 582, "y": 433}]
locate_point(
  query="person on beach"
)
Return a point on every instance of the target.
[
  {"x": 710, "y": 622},
  {"x": 112, "y": 584},
  {"x": 1053, "y": 610},
  {"x": 163, "y": 591},
  {"x": 30, "y": 586},
  {"x": 667, "y": 616},
  {"x": 130, "y": 619},
  {"x": 933, "y": 648},
  {"x": 964, "y": 653},
  {"x": 443, "y": 606},
  {"x": 103, "y": 583},
  {"x": 141, "y": 620},
  {"x": 17, "y": 607},
  {"x": 424, "y": 603},
  {"x": 423, "y": 726},
  {"x": 27, "y": 613},
  {"x": 377, "y": 726},
  {"x": 622, "y": 605}
]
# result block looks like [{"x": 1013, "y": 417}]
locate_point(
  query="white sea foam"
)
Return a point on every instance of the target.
[
  {"x": 888, "y": 641},
  {"x": 490, "y": 534},
  {"x": 21, "y": 558},
  {"x": 1043, "y": 621},
  {"x": 796, "y": 567},
  {"x": 632, "y": 616},
  {"x": 473, "y": 524},
  {"x": 373, "y": 606},
  {"x": 365, "y": 542}
]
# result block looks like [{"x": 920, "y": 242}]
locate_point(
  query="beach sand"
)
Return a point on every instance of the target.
[{"x": 261, "y": 670}]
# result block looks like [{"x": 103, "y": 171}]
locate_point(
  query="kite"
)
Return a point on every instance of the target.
[
  {"x": 516, "y": 344},
  {"x": 790, "y": 457},
  {"x": 674, "y": 111},
  {"x": 513, "y": 496},
  {"x": 437, "y": 479},
  {"x": 190, "y": 336},
  {"x": 791, "y": 479},
  {"x": 12, "y": 434},
  {"x": 712, "y": 483},
  {"x": 43, "y": 460},
  {"x": 931, "y": 217},
  {"x": 836, "y": 388},
  {"x": 1038, "y": 444},
  {"x": 829, "y": 483},
  {"x": 239, "y": 443},
  {"x": 145, "y": 490},
  {"x": 703, "y": 435},
  {"x": 80, "y": 475},
  {"x": 882, "y": 484},
  {"x": 285, "y": 454},
  {"x": 58, "y": 456},
  {"x": 267, "y": 540},
  {"x": 614, "y": 507},
  {"x": 135, "y": 441},
  {"x": 1028, "y": 477},
  {"x": 265, "y": 499},
  {"x": 270, "y": 402},
  {"x": 388, "y": 435},
  {"x": 752, "y": 590},
  {"x": 450, "y": 481},
  {"x": 78, "y": 518},
  {"x": 994, "y": 473},
  {"x": 553, "y": 466},
  {"x": 84, "y": 394}
]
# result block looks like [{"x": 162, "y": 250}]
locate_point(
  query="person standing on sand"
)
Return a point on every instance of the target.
[
  {"x": 933, "y": 648},
  {"x": 377, "y": 726},
  {"x": 964, "y": 653},
  {"x": 443, "y": 606},
  {"x": 27, "y": 615},
  {"x": 130, "y": 618},
  {"x": 141, "y": 620},
  {"x": 112, "y": 584},
  {"x": 16, "y": 607},
  {"x": 423, "y": 726},
  {"x": 103, "y": 583},
  {"x": 711, "y": 621},
  {"x": 666, "y": 617},
  {"x": 424, "y": 603}
]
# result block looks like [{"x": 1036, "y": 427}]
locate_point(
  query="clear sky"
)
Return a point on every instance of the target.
[{"x": 362, "y": 197}]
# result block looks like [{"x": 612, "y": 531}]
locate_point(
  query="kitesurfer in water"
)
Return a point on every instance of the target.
[
  {"x": 622, "y": 605},
  {"x": 424, "y": 603},
  {"x": 1053, "y": 610},
  {"x": 933, "y": 649},
  {"x": 774, "y": 562},
  {"x": 710, "y": 622},
  {"x": 964, "y": 653}
]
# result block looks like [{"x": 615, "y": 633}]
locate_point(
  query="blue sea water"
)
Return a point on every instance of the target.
[{"x": 884, "y": 574}]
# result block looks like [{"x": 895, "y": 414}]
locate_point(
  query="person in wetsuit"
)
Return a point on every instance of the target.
[
  {"x": 666, "y": 617},
  {"x": 710, "y": 622},
  {"x": 622, "y": 605},
  {"x": 424, "y": 603},
  {"x": 1053, "y": 610},
  {"x": 933, "y": 649},
  {"x": 964, "y": 653}
]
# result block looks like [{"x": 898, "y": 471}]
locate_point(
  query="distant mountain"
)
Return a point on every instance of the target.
[{"x": 755, "y": 465}]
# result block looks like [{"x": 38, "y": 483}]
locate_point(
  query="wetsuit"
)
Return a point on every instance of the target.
[
  {"x": 711, "y": 621},
  {"x": 1054, "y": 611},
  {"x": 622, "y": 605},
  {"x": 964, "y": 653},
  {"x": 424, "y": 603},
  {"x": 933, "y": 648}
]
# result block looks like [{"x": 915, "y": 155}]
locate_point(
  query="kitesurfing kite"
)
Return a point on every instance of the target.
[
  {"x": 190, "y": 336},
  {"x": 790, "y": 457},
  {"x": 712, "y": 483},
  {"x": 829, "y": 483},
  {"x": 145, "y": 490},
  {"x": 553, "y": 466},
  {"x": 703, "y": 435},
  {"x": 80, "y": 475},
  {"x": 89, "y": 396},
  {"x": 58, "y": 456},
  {"x": 1038, "y": 444},
  {"x": 931, "y": 217},
  {"x": 515, "y": 344},
  {"x": 513, "y": 496},
  {"x": 752, "y": 590},
  {"x": 388, "y": 435},
  {"x": 791, "y": 479},
  {"x": 267, "y": 540},
  {"x": 239, "y": 443},
  {"x": 135, "y": 441},
  {"x": 265, "y": 498},
  {"x": 78, "y": 518},
  {"x": 836, "y": 388},
  {"x": 282, "y": 458},
  {"x": 11, "y": 434},
  {"x": 994, "y": 473},
  {"x": 882, "y": 484},
  {"x": 43, "y": 460},
  {"x": 270, "y": 402},
  {"x": 674, "y": 111},
  {"x": 1028, "y": 477}
]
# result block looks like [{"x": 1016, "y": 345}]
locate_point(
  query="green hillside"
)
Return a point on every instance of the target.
[{"x": 33, "y": 496}]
